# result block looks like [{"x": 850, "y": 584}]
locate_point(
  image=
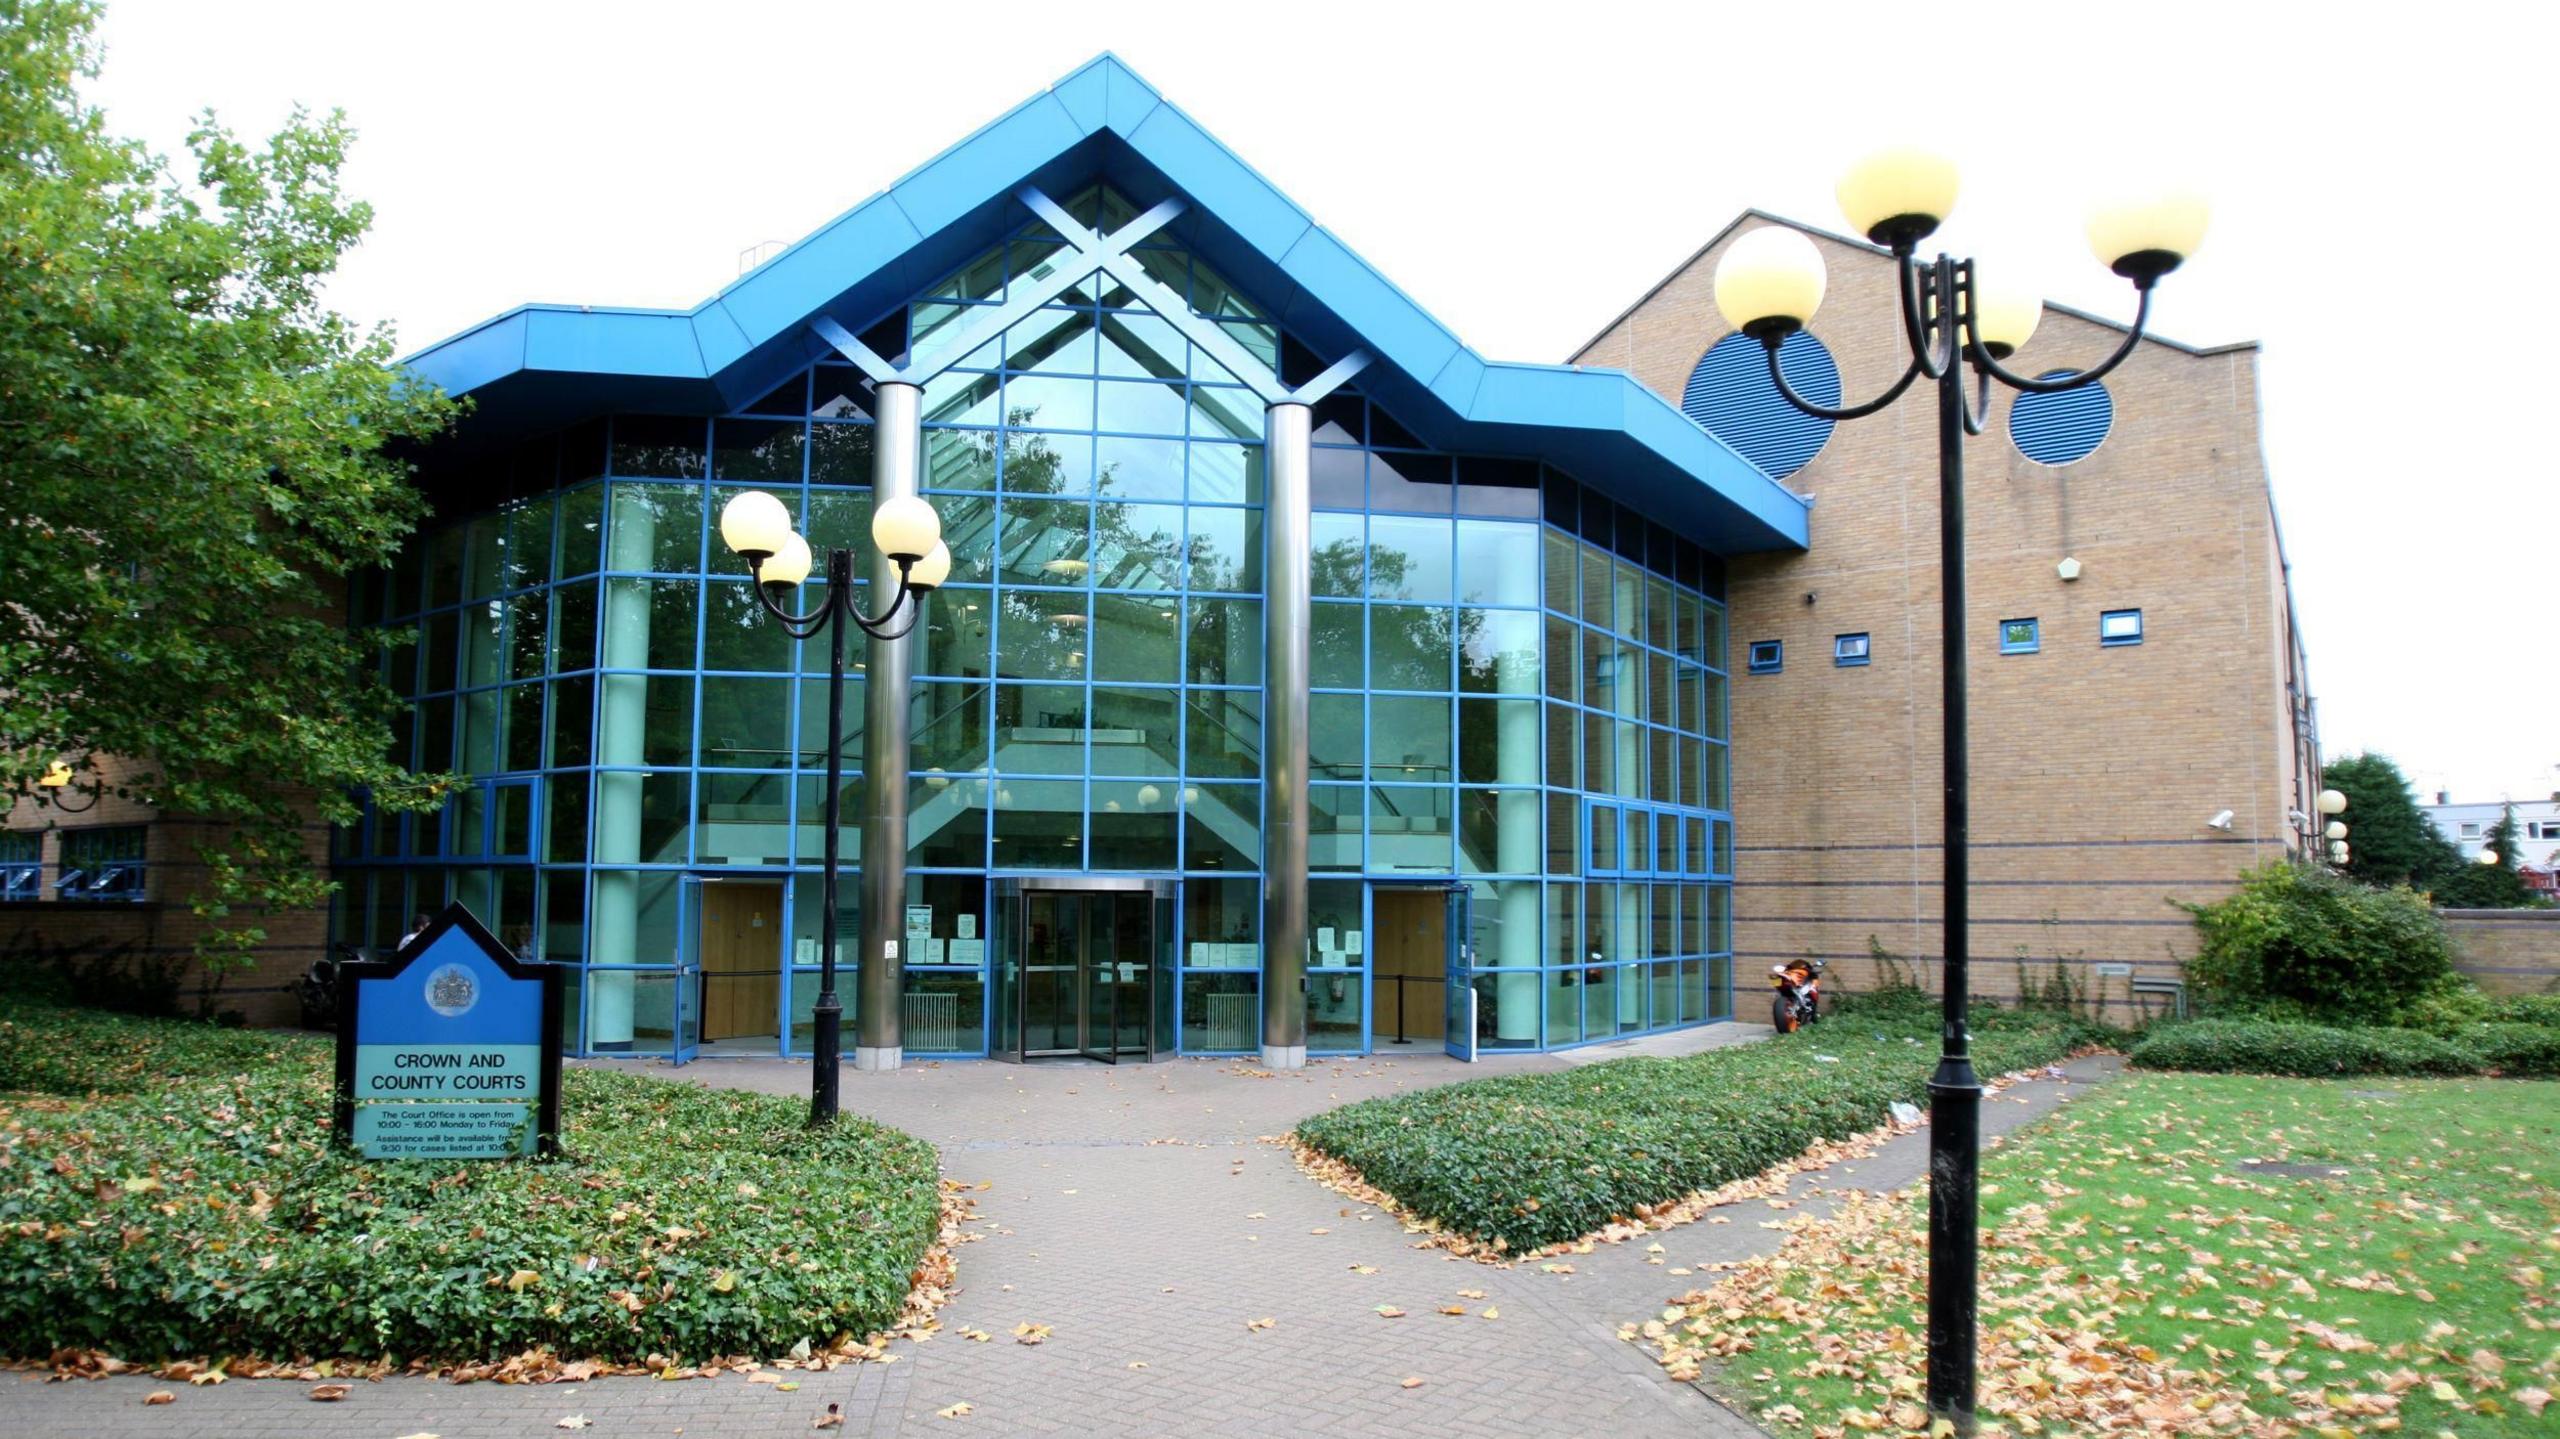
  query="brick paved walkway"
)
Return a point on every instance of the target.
[{"x": 1135, "y": 1213}]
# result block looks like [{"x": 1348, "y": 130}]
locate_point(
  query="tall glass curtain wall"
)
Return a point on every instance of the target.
[{"x": 1088, "y": 690}]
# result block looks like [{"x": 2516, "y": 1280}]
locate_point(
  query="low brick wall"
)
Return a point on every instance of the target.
[{"x": 2508, "y": 951}]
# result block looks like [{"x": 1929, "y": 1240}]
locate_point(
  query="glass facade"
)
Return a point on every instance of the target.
[{"x": 1518, "y": 696}]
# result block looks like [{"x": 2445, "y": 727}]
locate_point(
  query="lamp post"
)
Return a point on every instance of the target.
[
  {"x": 2331, "y": 804},
  {"x": 1768, "y": 284},
  {"x": 758, "y": 528},
  {"x": 56, "y": 781}
]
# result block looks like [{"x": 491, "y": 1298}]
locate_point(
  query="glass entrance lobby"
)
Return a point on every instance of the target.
[{"x": 1221, "y": 557}]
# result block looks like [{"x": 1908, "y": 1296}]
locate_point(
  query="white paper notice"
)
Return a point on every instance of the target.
[
  {"x": 1324, "y": 938},
  {"x": 968, "y": 926}
]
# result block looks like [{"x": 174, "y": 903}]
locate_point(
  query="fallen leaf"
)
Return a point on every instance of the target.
[
  {"x": 956, "y": 1410},
  {"x": 327, "y": 1392},
  {"x": 1411, "y": 1381},
  {"x": 1252, "y": 1324},
  {"x": 1389, "y": 1311},
  {"x": 832, "y": 1419},
  {"x": 574, "y": 1421},
  {"x": 160, "y": 1396},
  {"x": 1492, "y": 1311},
  {"x": 1030, "y": 1333}
]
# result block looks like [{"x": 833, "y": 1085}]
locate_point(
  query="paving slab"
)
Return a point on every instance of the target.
[{"x": 1140, "y": 1214}]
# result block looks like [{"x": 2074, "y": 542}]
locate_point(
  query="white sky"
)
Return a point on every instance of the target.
[{"x": 1527, "y": 171}]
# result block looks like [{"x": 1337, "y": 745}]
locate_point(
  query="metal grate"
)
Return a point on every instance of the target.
[
  {"x": 2064, "y": 427},
  {"x": 931, "y": 1022},
  {"x": 1230, "y": 1021},
  {"x": 1731, "y": 396}
]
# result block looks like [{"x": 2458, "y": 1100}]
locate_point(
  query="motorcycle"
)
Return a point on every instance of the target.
[{"x": 1798, "y": 1001}]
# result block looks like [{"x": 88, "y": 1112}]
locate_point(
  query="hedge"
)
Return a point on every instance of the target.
[
  {"x": 207, "y": 1212},
  {"x": 1531, "y": 1160},
  {"x": 2258, "y": 1046}
]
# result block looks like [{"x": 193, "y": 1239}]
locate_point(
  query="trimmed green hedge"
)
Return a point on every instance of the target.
[
  {"x": 1532, "y": 1160},
  {"x": 2257, "y": 1046},
  {"x": 208, "y": 1213}
]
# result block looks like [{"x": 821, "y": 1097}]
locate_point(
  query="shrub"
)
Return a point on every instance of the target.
[
  {"x": 208, "y": 1212},
  {"x": 1532, "y": 1160},
  {"x": 2324, "y": 947},
  {"x": 2311, "y": 1051},
  {"x": 2451, "y": 1004},
  {"x": 2518, "y": 1051},
  {"x": 2542, "y": 1009}
]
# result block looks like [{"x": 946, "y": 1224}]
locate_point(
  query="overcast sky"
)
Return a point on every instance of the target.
[{"x": 1527, "y": 171}]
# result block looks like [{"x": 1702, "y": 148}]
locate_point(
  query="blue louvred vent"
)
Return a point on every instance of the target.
[
  {"x": 1731, "y": 396},
  {"x": 2063, "y": 427}
]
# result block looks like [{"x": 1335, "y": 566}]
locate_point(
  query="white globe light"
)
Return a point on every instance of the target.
[
  {"x": 2335, "y": 830},
  {"x": 754, "y": 523},
  {"x": 1191, "y": 794},
  {"x": 905, "y": 528},
  {"x": 2004, "y": 317},
  {"x": 2332, "y": 802},
  {"x": 2338, "y": 851},
  {"x": 1899, "y": 195},
  {"x": 790, "y": 562},
  {"x": 1149, "y": 795},
  {"x": 2488, "y": 856},
  {"x": 1772, "y": 275},
  {"x": 2145, "y": 233},
  {"x": 929, "y": 573}
]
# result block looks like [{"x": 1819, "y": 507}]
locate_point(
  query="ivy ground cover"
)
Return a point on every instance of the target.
[
  {"x": 170, "y": 1190},
  {"x": 1525, "y": 1161},
  {"x": 2189, "y": 1254}
]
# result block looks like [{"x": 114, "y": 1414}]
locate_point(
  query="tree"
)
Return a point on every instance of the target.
[
  {"x": 194, "y": 450},
  {"x": 2389, "y": 841}
]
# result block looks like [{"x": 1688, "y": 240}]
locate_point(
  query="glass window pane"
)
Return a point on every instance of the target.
[
  {"x": 1139, "y": 408},
  {"x": 1222, "y": 827},
  {"x": 1138, "y": 547},
  {"x": 1409, "y": 739},
  {"x": 969, "y": 532},
  {"x": 1411, "y": 482},
  {"x": 662, "y": 445},
  {"x": 1339, "y": 554},
  {"x": 1140, "y": 344},
  {"x": 743, "y": 819},
  {"x": 1335, "y": 645},
  {"x": 959, "y": 634},
  {"x": 1226, "y": 549},
  {"x": 737, "y": 633},
  {"x": 1134, "y": 732},
  {"x": 946, "y": 726},
  {"x": 656, "y": 528},
  {"x": 1498, "y": 651},
  {"x": 1333, "y": 827},
  {"x": 960, "y": 397},
  {"x": 1045, "y": 542},
  {"x": 1039, "y": 824},
  {"x": 746, "y": 723},
  {"x": 1224, "y": 732},
  {"x": 1048, "y": 402},
  {"x": 1137, "y": 638},
  {"x": 1047, "y": 464},
  {"x": 947, "y": 821},
  {"x": 1226, "y": 474},
  {"x": 840, "y": 454},
  {"x": 1409, "y": 559},
  {"x": 1226, "y": 642},
  {"x": 1138, "y": 469},
  {"x": 1410, "y": 828},
  {"x": 572, "y": 720},
  {"x": 581, "y": 533},
  {"x": 757, "y": 451},
  {"x": 1498, "y": 741},
  {"x": 811, "y": 751},
  {"x": 1337, "y": 737},
  {"x": 528, "y": 544},
  {"x": 1499, "y": 833},
  {"x": 1497, "y": 563},
  {"x": 1040, "y": 634},
  {"x": 1225, "y": 414},
  {"x": 954, "y": 460},
  {"x": 1056, "y": 342},
  {"x": 1040, "y": 729},
  {"x": 1133, "y": 825},
  {"x": 1409, "y": 647}
]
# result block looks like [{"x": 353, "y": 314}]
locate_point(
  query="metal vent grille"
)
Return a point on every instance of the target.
[
  {"x": 2064, "y": 427},
  {"x": 1731, "y": 396}
]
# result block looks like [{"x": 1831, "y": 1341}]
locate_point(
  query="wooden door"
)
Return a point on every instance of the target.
[
  {"x": 1411, "y": 940},
  {"x": 741, "y": 949}
]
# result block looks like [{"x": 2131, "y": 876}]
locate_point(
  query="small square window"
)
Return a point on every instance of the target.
[
  {"x": 2120, "y": 627},
  {"x": 1768, "y": 656},
  {"x": 2470, "y": 829},
  {"x": 1847, "y": 650},
  {"x": 2020, "y": 637}
]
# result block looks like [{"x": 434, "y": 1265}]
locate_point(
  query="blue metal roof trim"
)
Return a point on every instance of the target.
[{"x": 1601, "y": 423}]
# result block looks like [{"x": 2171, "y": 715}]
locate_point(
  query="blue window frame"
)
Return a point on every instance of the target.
[
  {"x": 2120, "y": 627},
  {"x": 1768, "y": 656},
  {"x": 2021, "y": 637},
  {"x": 1849, "y": 650},
  {"x": 104, "y": 864},
  {"x": 21, "y": 863}
]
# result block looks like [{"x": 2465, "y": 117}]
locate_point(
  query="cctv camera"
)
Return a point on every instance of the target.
[{"x": 2220, "y": 820}]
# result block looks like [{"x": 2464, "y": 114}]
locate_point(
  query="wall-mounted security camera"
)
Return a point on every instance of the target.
[{"x": 2221, "y": 820}]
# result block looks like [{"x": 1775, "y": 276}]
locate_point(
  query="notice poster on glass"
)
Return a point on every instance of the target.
[
  {"x": 1324, "y": 940},
  {"x": 968, "y": 951},
  {"x": 933, "y": 951},
  {"x": 968, "y": 926},
  {"x": 1351, "y": 941},
  {"x": 919, "y": 922}
]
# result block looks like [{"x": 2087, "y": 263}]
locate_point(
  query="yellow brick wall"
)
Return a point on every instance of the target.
[
  {"x": 2508, "y": 951},
  {"x": 2094, "y": 770}
]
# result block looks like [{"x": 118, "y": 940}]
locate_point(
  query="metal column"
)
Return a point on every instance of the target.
[
  {"x": 1286, "y": 619},
  {"x": 896, "y": 451}
]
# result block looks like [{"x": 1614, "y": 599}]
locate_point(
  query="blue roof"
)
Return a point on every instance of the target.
[{"x": 537, "y": 367}]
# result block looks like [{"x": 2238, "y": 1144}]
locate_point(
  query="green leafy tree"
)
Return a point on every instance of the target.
[
  {"x": 2389, "y": 840},
  {"x": 2300, "y": 941},
  {"x": 2474, "y": 885},
  {"x": 194, "y": 453}
]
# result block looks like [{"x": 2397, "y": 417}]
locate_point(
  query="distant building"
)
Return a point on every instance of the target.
[{"x": 2468, "y": 826}]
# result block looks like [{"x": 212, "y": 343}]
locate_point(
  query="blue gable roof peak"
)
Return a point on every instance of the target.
[{"x": 542, "y": 365}]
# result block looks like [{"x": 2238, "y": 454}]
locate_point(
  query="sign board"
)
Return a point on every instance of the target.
[
  {"x": 448, "y": 1049},
  {"x": 2113, "y": 971}
]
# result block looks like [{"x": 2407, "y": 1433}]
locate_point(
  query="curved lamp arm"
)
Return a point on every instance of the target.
[
  {"x": 1914, "y": 289},
  {"x": 839, "y": 601},
  {"x": 1977, "y": 407},
  {"x": 1827, "y": 412},
  {"x": 800, "y": 627},
  {"x": 1982, "y": 361}
]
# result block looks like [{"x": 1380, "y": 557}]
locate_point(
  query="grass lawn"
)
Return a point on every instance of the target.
[
  {"x": 2138, "y": 1276},
  {"x": 170, "y": 1190}
]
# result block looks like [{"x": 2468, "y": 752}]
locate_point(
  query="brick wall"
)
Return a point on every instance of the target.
[
  {"x": 2508, "y": 951},
  {"x": 2094, "y": 770},
  {"x": 163, "y": 925}
]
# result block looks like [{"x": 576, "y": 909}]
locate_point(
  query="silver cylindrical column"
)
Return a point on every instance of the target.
[
  {"x": 896, "y": 447},
  {"x": 1286, "y": 620}
]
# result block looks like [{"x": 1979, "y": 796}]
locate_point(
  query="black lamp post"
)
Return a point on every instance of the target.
[
  {"x": 758, "y": 527},
  {"x": 1768, "y": 285},
  {"x": 58, "y": 788}
]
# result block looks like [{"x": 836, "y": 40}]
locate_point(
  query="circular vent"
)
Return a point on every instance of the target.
[
  {"x": 1731, "y": 396},
  {"x": 2063, "y": 427}
]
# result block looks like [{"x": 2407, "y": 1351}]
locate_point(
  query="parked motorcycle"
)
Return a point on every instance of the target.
[{"x": 1798, "y": 1001}]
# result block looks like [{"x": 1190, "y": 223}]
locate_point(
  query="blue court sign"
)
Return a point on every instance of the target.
[{"x": 445, "y": 1050}]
